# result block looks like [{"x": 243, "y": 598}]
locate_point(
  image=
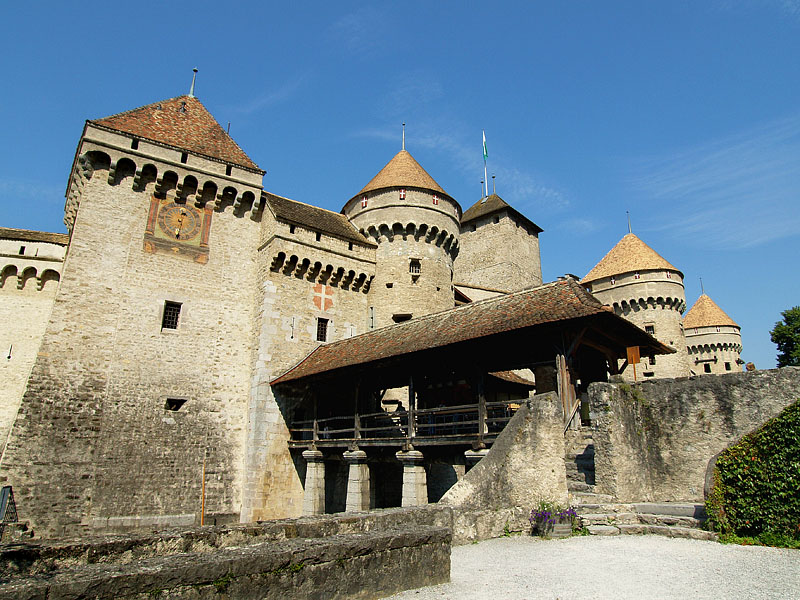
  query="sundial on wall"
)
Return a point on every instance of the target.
[{"x": 178, "y": 229}]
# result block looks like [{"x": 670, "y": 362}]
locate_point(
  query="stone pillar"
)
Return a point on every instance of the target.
[
  {"x": 415, "y": 484},
  {"x": 314, "y": 494},
  {"x": 357, "y": 481},
  {"x": 472, "y": 457}
]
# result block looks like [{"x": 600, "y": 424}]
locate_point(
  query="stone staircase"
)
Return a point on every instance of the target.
[{"x": 600, "y": 515}]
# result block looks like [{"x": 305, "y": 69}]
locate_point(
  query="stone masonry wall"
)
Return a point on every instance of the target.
[
  {"x": 93, "y": 440},
  {"x": 524, "y": 465},
  {"x": 288, "y": 304},
  {"x": 24, "y": 314},
  {"x": 501, "y": 256},
  {"x": 653, "y": 441},
  {"x": 369, "y": 555}
]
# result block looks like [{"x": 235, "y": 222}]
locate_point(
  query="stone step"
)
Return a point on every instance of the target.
[
  {"x": 674, "y": 509},
  {"x": 579, "y": 486},
  {"x": 673, "y": 532},
  {"x": 632, "y": 518},
  {"x": 587, "y": 454},
  {"x": 591, "y": 498}
]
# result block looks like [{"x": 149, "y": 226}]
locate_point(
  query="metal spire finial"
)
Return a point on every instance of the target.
[
  {"x": 194, "y": 76},
  {"x": 702, "y": 289},
  {"x": 404, "y": 136},
  {"x": 627, "y": 212},
  {"x": 494, "y": 189}
]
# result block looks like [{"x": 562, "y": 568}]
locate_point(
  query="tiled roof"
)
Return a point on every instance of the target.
[
  {"x": 493, "y": 204},
  {"x": 402, "y": 171},
  {"x": 182, "y": 122},
  {"x": 706, "y": 313},
  {"x": 512, "y": 377},
  {"x": 629, "y": 255},
  {"x": 26, "y": 235},
  {"x": 315, "y": 218},
  {"x": 558, "y": 301}
]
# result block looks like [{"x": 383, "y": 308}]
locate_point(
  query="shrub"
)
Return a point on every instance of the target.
[{"x": 756, "y": 482}]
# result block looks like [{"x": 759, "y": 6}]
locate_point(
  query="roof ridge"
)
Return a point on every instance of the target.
[{"x": 130, "y": 110}]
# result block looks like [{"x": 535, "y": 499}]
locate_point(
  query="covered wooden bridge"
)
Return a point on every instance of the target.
[{"x": 456, "y": 370}]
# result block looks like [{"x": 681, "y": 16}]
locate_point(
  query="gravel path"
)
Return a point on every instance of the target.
[{"x": 636, "y": 567}]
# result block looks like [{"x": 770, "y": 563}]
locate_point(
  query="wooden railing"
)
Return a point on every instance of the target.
[{"x": 468, "y": 422}]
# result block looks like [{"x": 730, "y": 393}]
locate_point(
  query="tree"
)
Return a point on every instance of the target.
[{"x": 786, "y": 334}]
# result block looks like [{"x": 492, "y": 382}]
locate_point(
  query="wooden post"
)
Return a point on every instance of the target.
[{"x": 412, "y": 408}]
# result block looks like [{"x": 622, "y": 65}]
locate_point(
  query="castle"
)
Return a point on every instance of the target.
[{"x": 144, "y": 347}]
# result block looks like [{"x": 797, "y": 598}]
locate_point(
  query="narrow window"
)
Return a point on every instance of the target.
[
  {"x": 652, "y": 360},
  {"x": 350, "y": 245},
  {"x": 364, "y": 202},
  {"x": 174, "y": 404},
  {"x": 717, "y": 328},
  {"x": 472, "y": 227},
  {"x": 436, "y": 200},
  {"x": 21, "y": 250},
  {"x": 669, "y": 275},
  {"x": 613, "y": 281},
  {"x": 172, "y": 310},
  {"x": 707, "y": 368},
  {"x": 651, "y": 329},
  {"x": 496, "y": 219},
  {"x": 402, "y": 194},
  {"x": 414, "y": 266},
  {"x": 184, "y": 157},
  {"x": 291, "y": 228},
  {"x": 228, "y": 170},
  {"x": 371, "y": 318},
  {"x": 727, "y": 366},
  {"x": 637, "y": 276},
  {"x": 319, "y": 236},
  {"x": 322, "y": 329},
  {"x": 134, "y": 144}
]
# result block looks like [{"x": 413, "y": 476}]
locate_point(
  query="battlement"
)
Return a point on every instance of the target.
[{"x": 162, "y": 169}]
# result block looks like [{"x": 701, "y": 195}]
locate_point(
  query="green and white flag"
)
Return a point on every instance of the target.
[
  {"x": 485, "y": 153},
  {"x": 485, "y": 173}
]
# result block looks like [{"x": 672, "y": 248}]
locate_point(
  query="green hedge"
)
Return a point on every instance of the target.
[{"x": 756, "y": 489}]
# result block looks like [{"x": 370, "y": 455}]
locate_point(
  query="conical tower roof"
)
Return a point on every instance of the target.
[
  {"x": 706, "y": 313},
  {"x": 182, "y": 122},
  {"x": 402, "y": 171},
  {"x": 629, "y": 255}
]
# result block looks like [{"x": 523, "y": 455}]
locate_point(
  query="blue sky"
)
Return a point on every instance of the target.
[{"x": 686, "y": 114}]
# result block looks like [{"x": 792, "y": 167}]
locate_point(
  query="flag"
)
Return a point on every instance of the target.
[{"x": 485, "y": 153}]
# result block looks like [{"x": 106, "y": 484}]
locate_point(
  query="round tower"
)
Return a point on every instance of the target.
[
  {"x": 644, "y": 288},
  {"x": 713, "y": 339},
  {"x": 416, "y": 226}
]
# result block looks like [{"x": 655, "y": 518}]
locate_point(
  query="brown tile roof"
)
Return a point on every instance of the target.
[
  {"x": 629, "y": 255},
  {"x": 493, "y": 204},
  {"x": 26, "y": 235},
  {"x": 315, "y": 218},
  {"x": 558, "y": 301},
  {"x": 402, "y": 171},
  {"x": 706, "y": 313},
  {"x": 182, "y": 122},
  {"x": 512, "y": 377}
]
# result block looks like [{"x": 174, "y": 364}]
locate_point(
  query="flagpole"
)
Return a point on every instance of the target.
[{"x": 485, "y": 172}]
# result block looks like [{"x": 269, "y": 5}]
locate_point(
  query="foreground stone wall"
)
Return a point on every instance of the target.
[
  {"x": 369, "y": 555},
  {"x": 525, "y": 465},
  {"x": 653, "y": 441}
]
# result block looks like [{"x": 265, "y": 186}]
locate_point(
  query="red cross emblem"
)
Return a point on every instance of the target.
[
  {"x": 323, "y": 296},
  {"x": 364, "y": 202},
  {"x": 436, "y": 199},
  {"x": 402, "y": 194}
]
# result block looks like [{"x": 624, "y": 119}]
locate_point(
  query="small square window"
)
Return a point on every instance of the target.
[
  {"x": 496, "y": 219},
  {"x": 174, "y": 404},
  {"x": 669, "y": 275},
  {"x": 319, "y": 236},
  {"x": 134, "y": 144},
  {"x": 613, "y": 281},
  {"x": 172, "y": 311},
  {"x": 637, "y": 276},
  {"x": 184, "y": 157},
  {"x": 291, "y": 228},
  {"x": 727, "y": 366},
  {"x": 707, "y": 368},
  {"x": 651, "y": 329},
  {"x": 414, "y": 266},
  {"x": 322, "y": 329},
  {"x": 21, "y": 250},
  {"x": 228, "y": 170}
]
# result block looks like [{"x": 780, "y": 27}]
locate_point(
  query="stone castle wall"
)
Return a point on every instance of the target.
[
  {"x": 499, "y": 252},
  {"x": 94, "y": 439},
  {"x": 29, "y": 278},
  {"x": 656, "y": 299},
  {"x": 654, "y": 440}
]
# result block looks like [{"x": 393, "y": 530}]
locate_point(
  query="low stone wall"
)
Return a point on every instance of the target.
[
  {"x": 654, "y": 440},
  {"x": 524, "y": 465},
  {"x": 367, "y": 555}
]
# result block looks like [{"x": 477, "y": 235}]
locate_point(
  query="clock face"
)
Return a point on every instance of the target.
[{"x": 179, "y": 221}]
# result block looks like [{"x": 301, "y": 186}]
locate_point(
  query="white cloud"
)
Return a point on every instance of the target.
[
  {"x": 742, "y": 190},
  {"x": 11, "y": 190},
  {"x": 272, "y": 96},
  {"x": 359, "y": 31}
]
